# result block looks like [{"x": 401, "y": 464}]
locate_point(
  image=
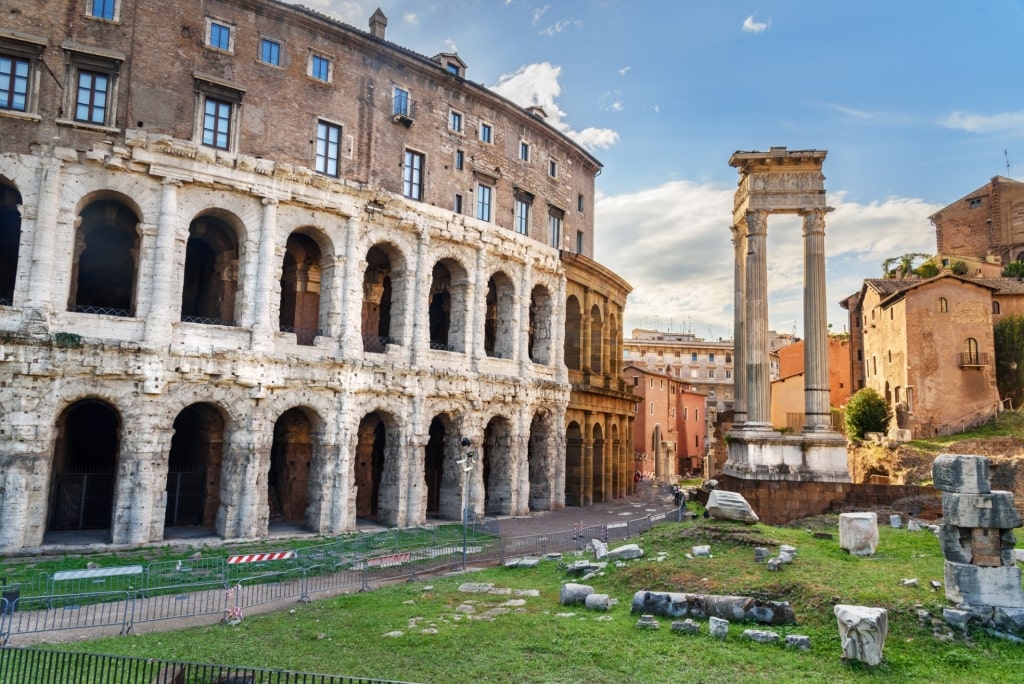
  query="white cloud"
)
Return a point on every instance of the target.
[
  {"x": 561, "y": 27},
  {"x": 751, "y": 26},
  {"x": 539, "y": 12},
  {"x": 411, "y": 19},
  {"x": 624, "y": 70},
  {"x": 537, "y": 84},
  {"x": 1007, "y": 122},
  {"x": 673, "y": 244},
  {"x": 450, "y": 44}
]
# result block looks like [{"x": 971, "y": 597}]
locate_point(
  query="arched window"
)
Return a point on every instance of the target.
[
  {"x": 995, "y": 308},
  {"x": 211, "y": 270},
  {"x": 106, "y": 248},
  {"x": 943, "y": 305},
  {"x": 971, "y": 357}
]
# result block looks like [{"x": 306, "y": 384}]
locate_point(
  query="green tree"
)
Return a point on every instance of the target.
[
  {"x": 1014, "y": 269},
  {"x": 927, "y": 270},
  {"x": 960, "y": 268},
  {"x": 867, "y": 411},
  {"x": 1009, "y": 344}
]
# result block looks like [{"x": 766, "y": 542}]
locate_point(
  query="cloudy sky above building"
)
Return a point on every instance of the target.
[{"x": 917, "y": 103}]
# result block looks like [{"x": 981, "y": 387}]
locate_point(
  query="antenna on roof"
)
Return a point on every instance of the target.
[{"x": 1006, "y": 156}]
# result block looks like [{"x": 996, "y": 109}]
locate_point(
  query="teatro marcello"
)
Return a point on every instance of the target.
[{"x": 259, "y": 267}]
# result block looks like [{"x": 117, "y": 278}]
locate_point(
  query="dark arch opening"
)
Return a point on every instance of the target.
[
  {"x": 211, "y": 263},
  {"x": 433, "y": 465},
  {"x": 85, "y": 467},
  {"x": 290, "y": 457},
  {"x": 10, "y": 242},
  {"x": 194, "y": 467},
  {"x": 300, "y": 289},
  {"x": 369, "y": 466},
  {"x": 106, "y": 250}
]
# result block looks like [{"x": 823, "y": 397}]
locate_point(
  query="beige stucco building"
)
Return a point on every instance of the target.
[{"x": 259, "y": 266}]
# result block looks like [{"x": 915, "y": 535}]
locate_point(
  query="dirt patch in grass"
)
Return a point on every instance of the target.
[{"x": 728, "y": 533}]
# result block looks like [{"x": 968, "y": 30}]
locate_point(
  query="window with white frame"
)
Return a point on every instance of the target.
[
  {"x": 524, "y": 151},
  {"x": 217, "y": 120},
  {"x": 19, "y": 73},
  {"x": 483, "y": 201},
  {"x": 555, "y": 227},
  {"x": 711, "y": 373},
  {"x": 328, "y": 148},
  {"x": 219, "y": 35},
  {"x": 320, "y": 68},
  {"x": 270, "y": 52},
  {"x": 400, "y": 103},
  {"x": 522, "y": 214},
  {"x": 103, "y": 9},
  {"x": 412, "y": 175},
  {"x": 455, "y": 121},
  {"x": 486, "y": 132},
  {"x": 217, "y": 111},
  {"x": 552, "y": 168},
  {"x": 728, "y": 374}
]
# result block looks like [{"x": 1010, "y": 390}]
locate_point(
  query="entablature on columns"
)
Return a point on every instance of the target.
[{"x": 778, "y": 181}]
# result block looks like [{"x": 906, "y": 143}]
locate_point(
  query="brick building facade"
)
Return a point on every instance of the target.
[
  {"x": 987, "y": 224},
  {"x": 670, "y": 431},
  {"x": 257, "y": 265}
]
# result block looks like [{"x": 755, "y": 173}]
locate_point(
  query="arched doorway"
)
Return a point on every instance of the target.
[
  {"x": 290, "y": 457},
  {"x": 574, "y": 470},
  {"x": 194, "y": 467},
  {"x": 10, "y": 242},
  {"x": 84, "y": 467},
  {"x": 496, "y": 467},
  {"x": 433, "y": 465},
  {"x": 300, "y": 289},
  {"x": 369, "y": 465},
  {"x": 538, "y": 458}
]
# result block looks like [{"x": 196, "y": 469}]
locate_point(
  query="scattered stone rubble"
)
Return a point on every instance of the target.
[
  {"x": 677, "y": 605},
  {"x": 725, "y": 505}
]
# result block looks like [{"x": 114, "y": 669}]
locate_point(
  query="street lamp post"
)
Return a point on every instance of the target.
[{"x": 467, "y": 467}]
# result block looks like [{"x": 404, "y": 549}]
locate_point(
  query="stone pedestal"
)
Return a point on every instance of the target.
[{"x": 769, "y": 455}]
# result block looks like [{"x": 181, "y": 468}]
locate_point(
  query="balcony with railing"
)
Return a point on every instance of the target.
[{"x": 974, "y": 359}]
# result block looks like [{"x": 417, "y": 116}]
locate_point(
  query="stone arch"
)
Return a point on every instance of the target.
[
  {"x": 447, "y": 306},
  {"x": 573, "y": 333},
  {"x": 617, "y": 470},
  {"x": 541, "y": 324},
  {"x": 211, "y": 288},
  {"x": 540, "y": 461},
  {"x": 10, "y": 240},
  {"x": 500, "y": 318},
  {"x": 614, "y": 349},
  {"x": 84, "y": 470},
  {"x": 599, "y": 485},
  {"x": 194, "y": 467},
  {"x": 105, "y": 266},
  {"x": 496, "y": 466},
  {"x": 443, "y": 477},
  {"x": 574, "y": 465},
  {"x": 376, "y": 465},
  {"x": 297, "y": 443},
  {"x": 301, "y": 280},
  {"x": 596, "y": 340},
  {"x": 385, "y": 283}
]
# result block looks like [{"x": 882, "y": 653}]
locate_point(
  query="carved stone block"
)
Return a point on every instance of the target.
[{"x": 961, "y": 473}]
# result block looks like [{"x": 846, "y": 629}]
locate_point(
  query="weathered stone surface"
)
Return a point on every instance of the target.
[
  {"x": 994, "y": 509},
  {"x": 686, "y": 626},
  {"x": 913, "y": 526},
  {"x": 801, "y": 641},
  {"x": 600, "y": 548},
  {"x": 956, "y": 618},
  {"x": 981, "y": 586},
  {"x": 718, "y": 627},
  {"x": 476, "y": 587},
  {"x": 858, "y": 533},
  {"x": 597, "y": 602},
  {"x": 702, "y": 551},
  {"x": 895, "y": 521},
  {"x": 788, "y": 548},
  {"x": 760, "y": 554},
  {"x": 571, "y": 593},
  {"x": 761, "y": 636},
  {"x": 627, "y": 552},
  {"x": 774, "y": 564},
  {"x": 786, "y": 557},
  {"x": 677, "y": 605},
  {"x": 962, "y": 473},
  {"x": 955, "y": 547},
  {"x": 730, "y": 506},
  {"x": 863, "y": 631},
  {"x": 647, "y": 622}
]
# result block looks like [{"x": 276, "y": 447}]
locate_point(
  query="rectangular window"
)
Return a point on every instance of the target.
[
  {"x": 328, "y": 143},
  {"x": 673, "y": 412},
  {"x": 217, "y": 123},
  {"x": 693, "y": 357},
  {"x": 13, "y": 83},
  {"x": 555, "y": 231},
  {"x": 460, "y": 159},
  {"x": 552, "y": 168},
  {"x": 102, "y": 9},
  {"x": 524, "y": 151},
  {"x": 400, "y": 102},
  {"x": 320, "y": 68},
  {"x": 652, "y": 408},
  {"x": 652, "y": 383},
  {"x": 455, "y": 121},
  {"x": 711, "y": 373},
  {"x": 412, "y": 178},
  {"x": 91, "y": 97},
  {"x": 458, "y": 204},
  {"x": 728, "y": 374},
  {"x": 220, "y": 36},
  {"x": 483, "y": 202},
  {"x": 270, "y": 52},
  {"x": 579, "y": 242},
  {"x": 711, "y": 358},
  {"x": 522, "y": 219},
  {"x": 486, "y": 133},
  {"x": 685, "y": 412},
  {"x": 636, "y": 381},
  {"x": 579, "y": 203}
]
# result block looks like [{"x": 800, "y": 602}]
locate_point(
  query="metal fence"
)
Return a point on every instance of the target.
[
  {"x": 122, "y": 597},
  {"x": 18, "y": 666}
]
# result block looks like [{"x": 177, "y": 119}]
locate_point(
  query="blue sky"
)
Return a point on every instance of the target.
[{"x": 915, "y": 102}]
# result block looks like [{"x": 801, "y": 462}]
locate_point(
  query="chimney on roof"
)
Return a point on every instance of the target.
[{"x": 378, "y": 22}]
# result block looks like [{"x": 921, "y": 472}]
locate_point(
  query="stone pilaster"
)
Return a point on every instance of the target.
[
  {"x": 419, "y": 307},
  {"x": 167, "y": 278},
  {"x": 476, "y": 306},
  {"x": 263, "y": 328},
  {"x": 351, "y": 293},
  {"x": 521, "y": 352},
  {"x": 816, "y": 387},
  {"x": 44, "y": 230},
  {"x": 558, "y": 335}
]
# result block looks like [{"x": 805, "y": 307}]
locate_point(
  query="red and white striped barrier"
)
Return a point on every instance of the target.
[{"x": 257, "y": 557}]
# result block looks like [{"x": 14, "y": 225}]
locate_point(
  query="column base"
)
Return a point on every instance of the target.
[{"x": 769, "y": 455}]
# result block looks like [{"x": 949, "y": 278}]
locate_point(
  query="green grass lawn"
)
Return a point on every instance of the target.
[{"x": 537, "y": 642}]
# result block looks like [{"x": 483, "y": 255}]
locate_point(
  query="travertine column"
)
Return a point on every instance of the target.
[
  {"x": 558, "y": 333},
  {"x": 521, "y": 352},
  {"x": 476, "y": 307},
  {"x": 757, "y": 361},
  {"x": 739, "y": 374},
  {"x": 418, "y": 304},
  {"x": 162, "y": 307},
  {"x": 262, "y": 327},
  {"x": 351, "y": 289},
  {"x": 587, "y": 486},
  {"x": 816, "y": 388},
  {"x": 44, "y": 236},
  {"x": 585, "y": 333}
]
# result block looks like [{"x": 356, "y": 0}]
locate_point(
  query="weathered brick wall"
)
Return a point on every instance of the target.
[{"x": 780, "y": 502}]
